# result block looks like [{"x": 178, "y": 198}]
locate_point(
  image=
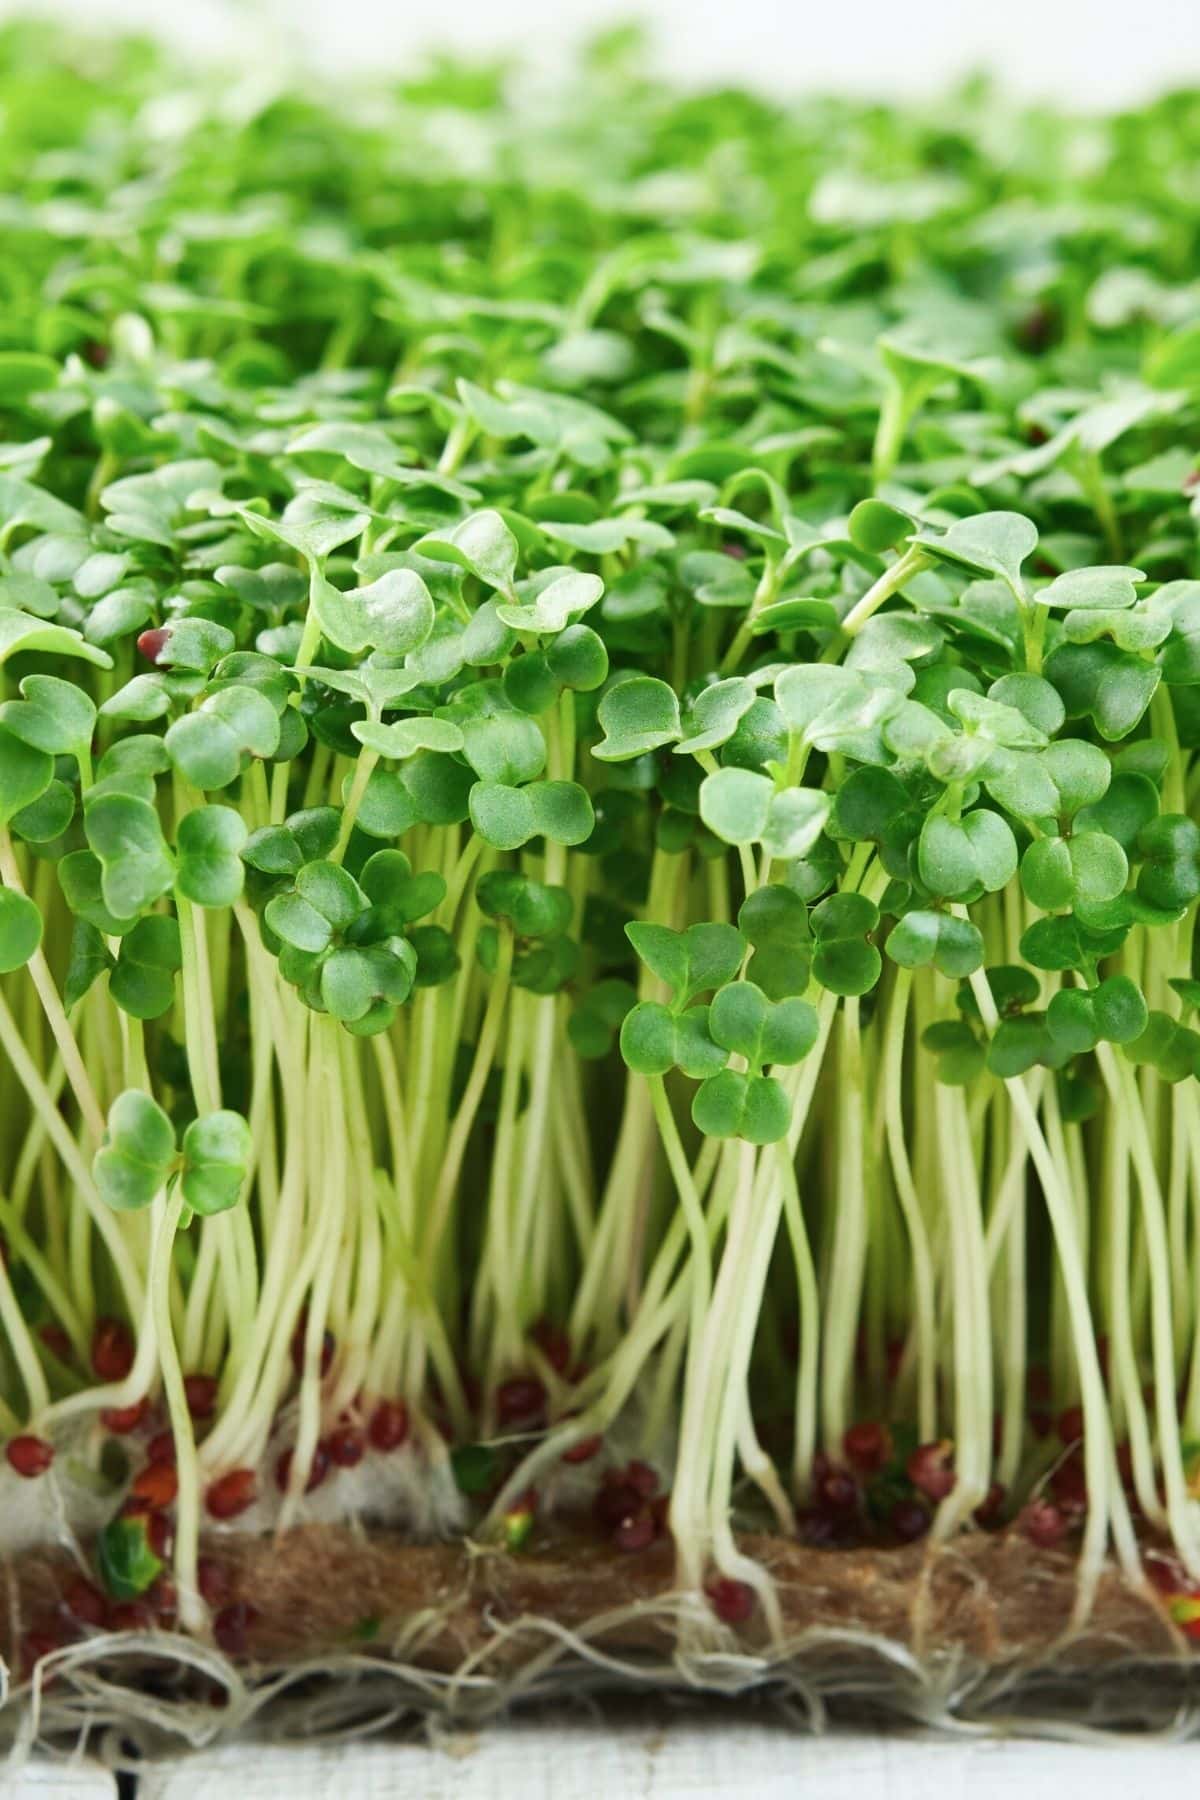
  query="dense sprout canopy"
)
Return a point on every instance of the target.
[{"x": 598, "y": 755}]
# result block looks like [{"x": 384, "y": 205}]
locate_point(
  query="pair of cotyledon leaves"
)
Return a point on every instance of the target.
[{"x": 140, "y": 1156}]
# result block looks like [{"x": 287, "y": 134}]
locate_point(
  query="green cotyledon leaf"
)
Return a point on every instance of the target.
[
  {"x": 207, "y": 746},
  {"x": 216, "y": 1154},
  {"x": 742, "y": 807},
  {"x": 394, "y": 614},
  {"x": 136, "y": 867},
  {"x": 639, "y": 714},
  {"x": 21, "y": 632},
  {"x": 482, "y": 544},
  {"x": 142, "y": 980},
  {"x": 845, "y": 961},
  {"x": 745, "y": 1022},
  {"x": 690, "y": 962},
  {"x": 952, "y": 945},
  {"x": 968, "y": 856},
  {"x": 137, "y": 1154},
  {"x": 774, "y": 919},
  {"x": 1056, "y": 873},
  {"x": 655, "y": 1039},
  {"x": 52, "y": 715},
  {"x": 209, "y": 845},
  {"x": 508, "y": 817},
  {"x": 556, "y": 599},
  {"x": 753, "y": 1107},
  {"x": 20, "y": 930}
]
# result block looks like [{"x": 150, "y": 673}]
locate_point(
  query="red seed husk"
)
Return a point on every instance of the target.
[
  {"x": 520, "y": 1400},
  {"x": 212, "y": 1579},
  {"x": 56, "y": 1341},
  {"x": 732, "y": 1601},
  {"x": 641, "y": 1477},
  {"x": 164, "y": 1598},
  {"x": 930, "y": 1468},
  {"x": 153, "y": 642},
  {"x": 636, "y": 1530},
  {"x": 990, "y": 1511},
  {"x": 347, "y": 1446},
  {"x": 318, "y": 1469},
  {"x": 1043, "y": 1524},
  {"x": 837, "y": 1492},
  {"x": 867, "y": 1446},
  {"x": 554, "y": 1344},
  {"x": 161, "y": 1448},
  {"x": 231, "y": 1627},
  {"x": 1070, "y": 1426},
  {"x": 584, "y": 1450},
  {"x": 121, "y": 1420},
  {"x": 158, "y": 1483},
  {"x": 85, "y": 1603},
  {"x": 201, "y": 1394},
  {"x": 29, "y": 1456},
  {"x": 231, "y": 1494},
  {"x": 1068, "y": 1483},
  {"x": 112, "y": 1350},
  {"x": 909, "y": 1520},
  {"x": 624, "y": 1494},
  {"x": 389, "y": 1425}
]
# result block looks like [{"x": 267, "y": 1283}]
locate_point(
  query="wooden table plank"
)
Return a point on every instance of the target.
[
  {"x": 43, "y": 1779},
  {"x": 682, "y": 1760}
]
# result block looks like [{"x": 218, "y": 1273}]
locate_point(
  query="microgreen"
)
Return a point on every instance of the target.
[{"x": 598, "y": 740}]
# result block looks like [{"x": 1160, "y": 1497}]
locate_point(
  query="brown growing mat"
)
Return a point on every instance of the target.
[{"x": 328, "y": 1627}]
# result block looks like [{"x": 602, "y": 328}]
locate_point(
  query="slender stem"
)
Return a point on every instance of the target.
[
  {"x": 192, "y": 1612},
  {"x": 1106, "y": 1499},
  {"x": 911, "y": 563},
  {"x": 37, "y": 1391},
  {"x": 52, "y": 1006},
  {"x": 12, "y": 1043},
  {"x": 972, "y": 1343},
  {"x": 808, "y": 1361},
  {"x": 364, "y": 768},
  {"x": 200, "y": 1029},
  {"x": 468, "y": 1106},
  {"x": 847, "y": 1261},
  {"x": 1118, "y": 1078},
  {"x": 743, "y": 637},
  {"x": 925, "y": 1323},
  {"x": 1034, "y": 619}
]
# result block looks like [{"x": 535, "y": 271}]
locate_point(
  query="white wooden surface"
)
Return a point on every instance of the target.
[
  {"x": 58, "y": 1781},
  {"x": 674, "y": 1761}
]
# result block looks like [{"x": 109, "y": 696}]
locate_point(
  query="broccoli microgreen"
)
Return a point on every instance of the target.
[{"x": 597, "y": 803}]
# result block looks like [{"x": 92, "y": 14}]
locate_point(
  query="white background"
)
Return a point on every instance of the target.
[{"x": 1081, "y": 53}]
